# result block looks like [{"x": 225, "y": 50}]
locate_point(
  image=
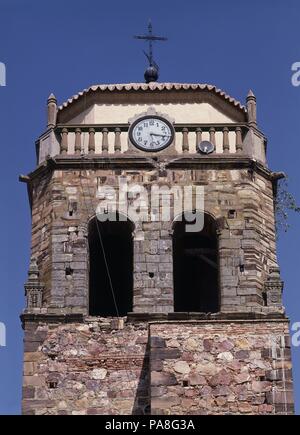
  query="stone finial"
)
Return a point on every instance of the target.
[
  {"x": 274, "y": 287},
  {"x": 251, "y": 94},
  {"x": 52, "y": 97},
  {"x": 52, "y": 111},
  {"x": 33, "y": 287},
  {"x": 251, "y": 108},
  {"x": 33, "y": 272}
]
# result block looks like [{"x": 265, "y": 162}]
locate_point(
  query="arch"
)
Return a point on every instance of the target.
[
  {"x": 196, "y": 266},
  {"x": 110, "y": 265}
]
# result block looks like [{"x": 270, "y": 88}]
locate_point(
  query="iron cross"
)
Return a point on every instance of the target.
[{"x": 150, "y": 38}]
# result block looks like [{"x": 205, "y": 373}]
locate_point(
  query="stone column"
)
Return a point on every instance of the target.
[
  {"x": 64, "y": 141},
  {"x": 77, "y": 141},
  {"x": 229, "y": 249},
  {"x": 153, "y": 268},
  {"x": 105, "y": 140},
  {"x": 212, "y": 135},
  {"x": 117, "y": 140},
  {"x": 198, "y": 136},
  {"x": 69, "y": 278},
  {"x": 239, "y": 140},
  {"x": 91, "y": 146},
  {"x": 225, "y": 140},
  {"x": 185, "y": 140}
]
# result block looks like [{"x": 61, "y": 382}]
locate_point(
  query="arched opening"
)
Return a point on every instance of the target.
[
  {"x": 111, "y": 266},
  {"x": 196, "y": 267}
]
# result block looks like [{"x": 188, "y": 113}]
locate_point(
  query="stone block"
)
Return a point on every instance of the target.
[
  {"x": 182, "y": 367},
  {"x": 165, "y": 267},
  {"x": 280, "y": 397},
  {"x": 152, "y": 258},
  {"x": 164, "y": 402},
  {"x": 163, "y": 379},
  {"x": 75, "y": 301},
  {"x": 158, "y": 391},
  {"x": 28, "y": 392},
  {"x": 34, "y": 381}
]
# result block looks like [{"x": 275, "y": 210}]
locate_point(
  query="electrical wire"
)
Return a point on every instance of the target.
[{"x": 122, "y": 344}]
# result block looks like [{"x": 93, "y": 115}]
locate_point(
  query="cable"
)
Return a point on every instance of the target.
[
  {"x": 103, "y": 251},
  {"x": 122, "y": 344},
  {"x": 98, "y": 227}
]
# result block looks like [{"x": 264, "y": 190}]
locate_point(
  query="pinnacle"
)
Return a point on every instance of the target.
[
  {"x": 52, "y": 97},
  {"x": 250, "y": 94}
]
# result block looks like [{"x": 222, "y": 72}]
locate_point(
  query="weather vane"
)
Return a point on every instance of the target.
[{"x": 152, "y": 72}]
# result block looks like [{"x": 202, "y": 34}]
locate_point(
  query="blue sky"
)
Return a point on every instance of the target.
[{"x": 65, "y": 46}]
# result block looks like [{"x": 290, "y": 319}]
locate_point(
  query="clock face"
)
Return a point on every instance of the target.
[{"x": 151, "y": 133}]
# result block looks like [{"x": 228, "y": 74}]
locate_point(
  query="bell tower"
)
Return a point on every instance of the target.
[{"x": 153, "y": 284}]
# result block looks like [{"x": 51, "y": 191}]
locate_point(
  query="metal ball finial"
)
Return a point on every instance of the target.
[{"x": 151, "y": 74}]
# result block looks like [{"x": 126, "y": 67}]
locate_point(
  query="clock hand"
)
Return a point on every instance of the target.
[{"x": 157, "y": 134}]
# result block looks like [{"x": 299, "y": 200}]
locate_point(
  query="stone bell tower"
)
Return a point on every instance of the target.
[{"x": 141, "y": 316}]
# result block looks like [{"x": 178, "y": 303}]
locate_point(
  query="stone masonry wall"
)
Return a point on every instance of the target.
[
  {"x": 89, "y": 368},
  {"x": 105, "y": 366},
  {"x": 64, "y": 202},
  {"x": 221, "y": 368}
]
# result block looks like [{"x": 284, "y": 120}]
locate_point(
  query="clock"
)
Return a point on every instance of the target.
[{"x": 151, "y": 133}]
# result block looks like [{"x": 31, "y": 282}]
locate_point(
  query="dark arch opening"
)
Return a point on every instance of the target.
[
  {"x": 196, "y": 268},
  {"x": 111, "y": 260}
]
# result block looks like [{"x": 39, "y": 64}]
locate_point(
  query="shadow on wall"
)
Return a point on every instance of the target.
[{"x": 142, "y": 401}]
